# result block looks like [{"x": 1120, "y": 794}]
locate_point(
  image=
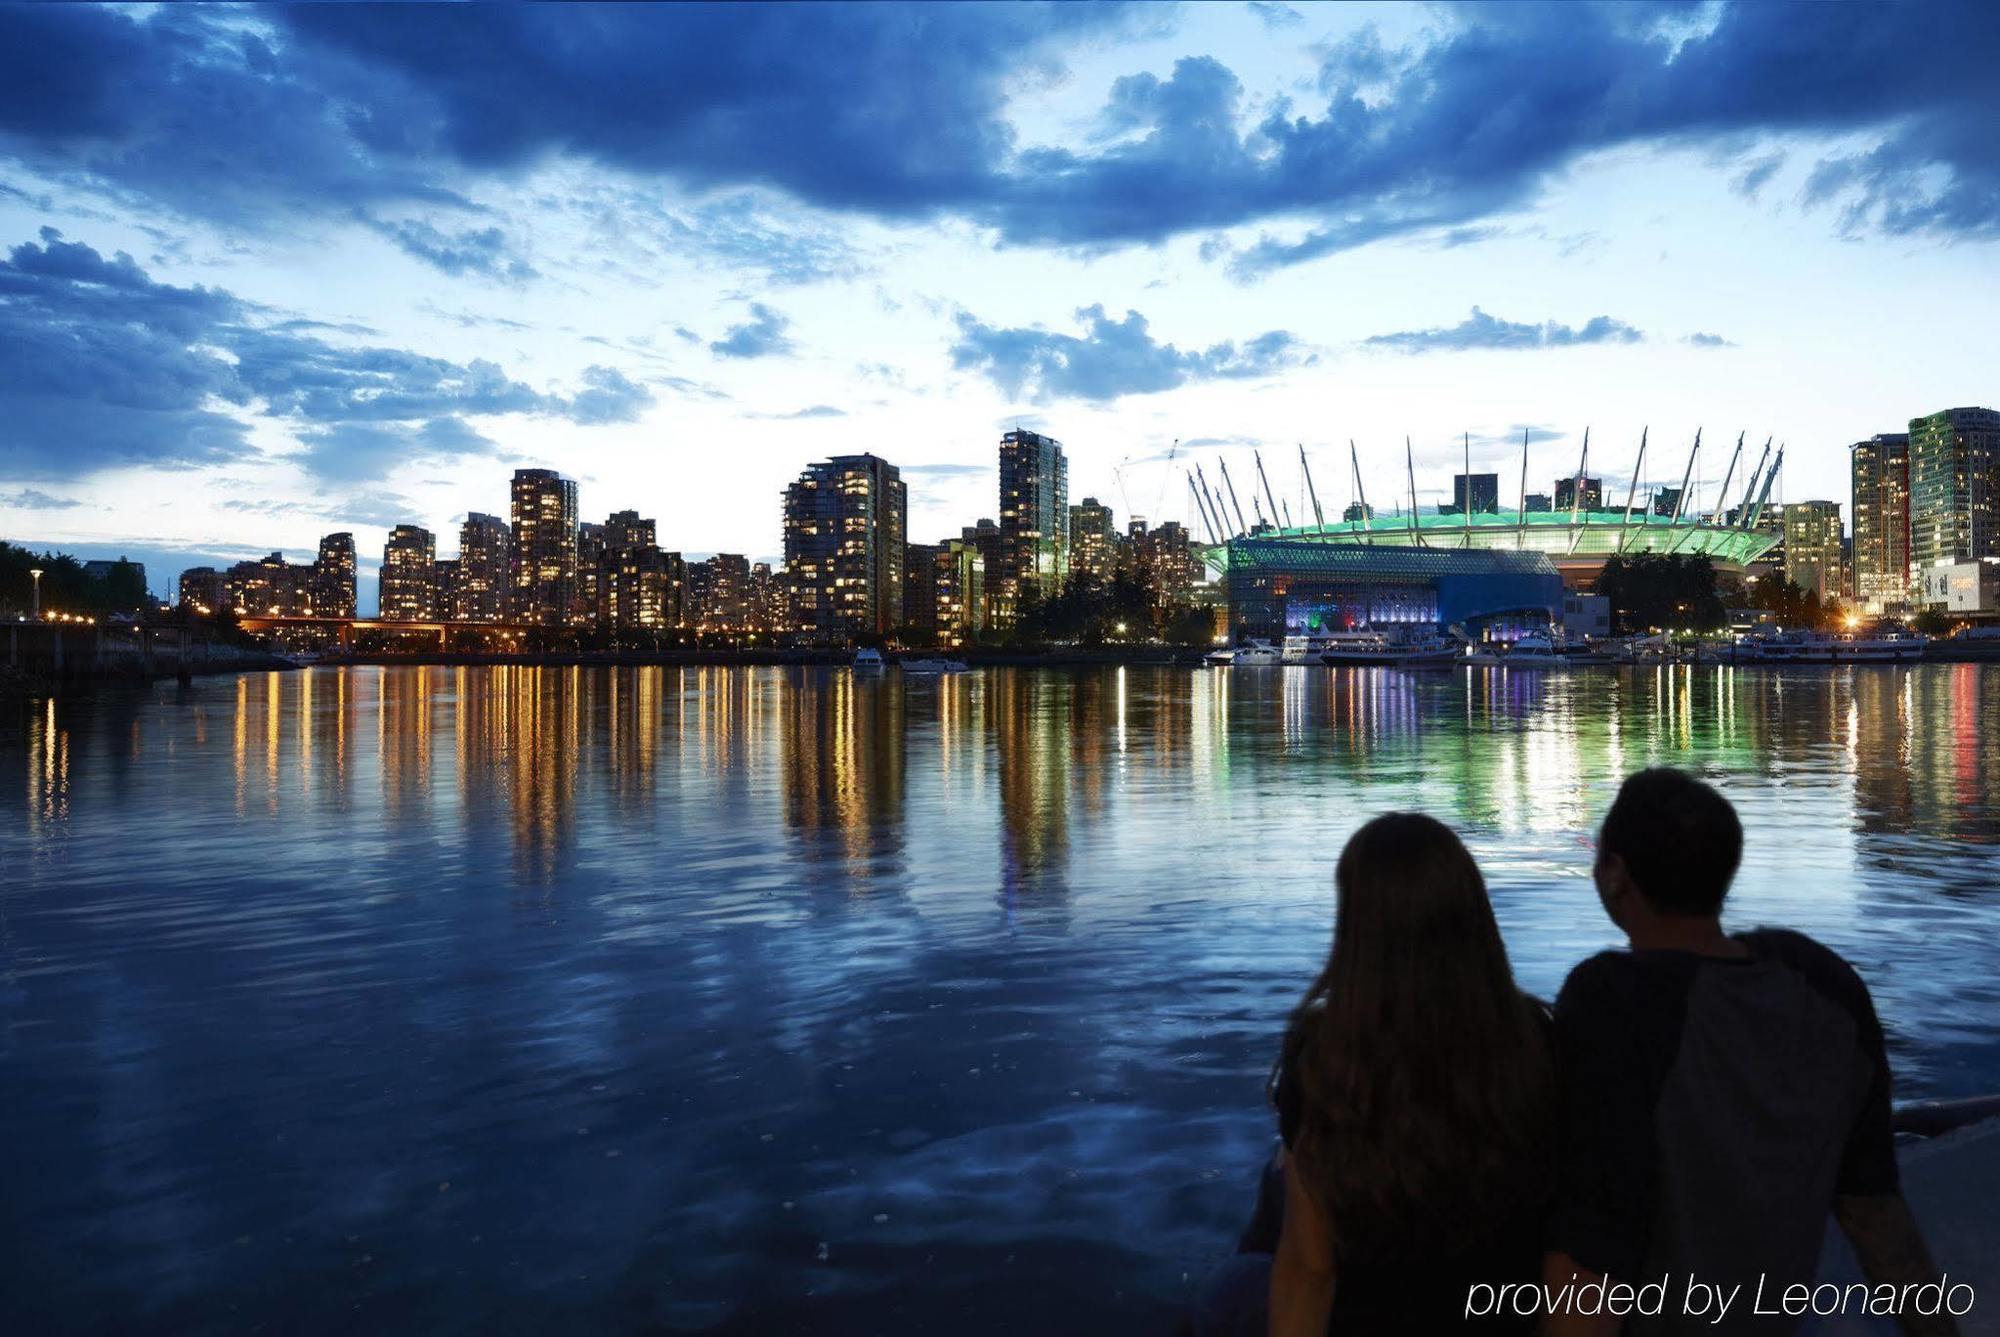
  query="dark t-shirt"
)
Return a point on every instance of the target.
[
  {"x": 1711, "y": 1110},
  {"x": 1423, "y": 1287}
]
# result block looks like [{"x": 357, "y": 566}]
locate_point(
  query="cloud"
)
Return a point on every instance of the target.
[
  {"x": 485, "y": 252},
  {"x": 399, "y": 108},
  {"x": 607, "y": 396},
  {"x": 1274, "y": 15},
  {"x": 103, "y": 366},
  {"x": 946, "y": 470},
  {"x": 31, "y": 499},
  {"x": 1110, "y": 359},
  {"x": 1701, "y": 340},
  {"x": 1480, "y": 330},
  {"x": 811, "y": 411},
  {"x": 763, "y": 335}
]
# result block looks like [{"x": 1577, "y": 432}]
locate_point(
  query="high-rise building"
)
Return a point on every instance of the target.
[
  {"x": 269, "y": 587},
  {"x": 542, "y": 557},
  {"x": 1813, "y": 548},
  {"x": 1167, "y": 564},
  {"x": 624, "y": 529},
  {"x": 985, "y": 540},
  {"x": 202, "y": 590},
  {"x": 1485, "y": 489},
  {"x": 766, "y": 612},
  {"x": 960, "y": 596},
  {"x": 481, "y": 596},
  {"x": 1954, "y": 478},
  {"x": 334, "y": 578},
  {"x": 845, "y": 521},
  {"x": 1536, "y": 503},
  {"x": 920, "y": 586},
  {"x": 1880, "y": 467},
  {"x": 1356, "y": 512},
  {"x": 641, "y": 587},
  {"x": 408, "y": 594},
  {"x": 726, "y": 592},
  {"x": 1666, "y": 500},
  {"x": 587, "y": 598},
  {"x": 446, "y": 577},
  {"x": 1034, "y": 521},
  {"x": 1093, "y": 542},
  {"x": 1566, "y": 494}
]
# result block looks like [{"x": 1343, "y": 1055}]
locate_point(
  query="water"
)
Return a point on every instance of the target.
[{"x": 518, "y": 1000}]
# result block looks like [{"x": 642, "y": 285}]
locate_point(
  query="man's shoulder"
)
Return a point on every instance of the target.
[
  {"x": 1617, "y": 977},
  {"x": 1823, "y": 968}
]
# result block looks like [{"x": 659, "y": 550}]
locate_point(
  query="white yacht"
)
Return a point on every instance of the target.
[
  {"x": 1392, "y": 647},
  {"x": 1886, "y": 645},
  {"x": 1253, "y": 654},
  {"x": 1531, "y": 650},
  {"x": 868, "y": 660}
]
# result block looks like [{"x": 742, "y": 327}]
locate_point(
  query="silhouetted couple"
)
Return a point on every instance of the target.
[{"x": 1457, "y": 1155}]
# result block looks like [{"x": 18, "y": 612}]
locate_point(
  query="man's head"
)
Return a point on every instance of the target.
[{"x": 1667, "y": 850}]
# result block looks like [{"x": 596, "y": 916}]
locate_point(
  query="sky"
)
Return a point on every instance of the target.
[{"x": 270, "y": 273}]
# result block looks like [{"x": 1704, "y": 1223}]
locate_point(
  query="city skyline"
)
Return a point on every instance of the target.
[{"x": 355, "y": 328}]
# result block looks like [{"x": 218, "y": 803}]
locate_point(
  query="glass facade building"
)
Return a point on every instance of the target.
[
  {"x": 334, "y": 577},
  {"x": 1954, "y": 473},
  {"x": 542, "y": 556},
  {"x": 408, "y": 590},
  {"x": 1034, "y": 521},
  {"x": 845, "y": 523},
  {"x": 1880, "y": 469},
  {"x": 1813, "y": 548},
  {"x": 481, "y": 591}
]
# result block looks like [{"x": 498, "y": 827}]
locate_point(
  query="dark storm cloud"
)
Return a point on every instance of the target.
[
  {"x": 900, "y": 112},
  {"x": 1111, "y": 358},
  {"x": 100, "y": 366},
  {"x": 1480, "y": 330}
]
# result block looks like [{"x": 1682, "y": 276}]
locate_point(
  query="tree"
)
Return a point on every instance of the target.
[{"x": 1652, "y": 590}]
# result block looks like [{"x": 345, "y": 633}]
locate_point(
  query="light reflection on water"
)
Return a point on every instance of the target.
[{"x": 473, "y": 1000}]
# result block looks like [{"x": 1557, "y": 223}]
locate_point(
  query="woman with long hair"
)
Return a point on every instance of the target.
[{"x": 1414, "y": 1094}]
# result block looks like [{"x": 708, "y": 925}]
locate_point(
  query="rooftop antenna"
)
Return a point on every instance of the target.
[
  {"x": 1258, "y": 459},
  {"x": 1288, "y": 513},
  {"x": 1680, "y": 499},
  {"x": 1202, "y": 490},
  {"x": 1722, "y": 493},
  {"x": 1521, "y": 530},
  {"x": 1576, "y": 493},
  {"x": 1465, "y": 501},
  {"x": 1319, "y": 517},
  {"x": 1410, "y": 463},
  {"x": 1200, "y": 509},
  {"x": 1750, "y": 488},
  {"x": 1360, "y": 492},
  {"x": 1576, "y": 489},
  {"x": 1632, "y": 492},
  {"x": 1241, "y": 528},
  {"x": 1757, "y": 512}
]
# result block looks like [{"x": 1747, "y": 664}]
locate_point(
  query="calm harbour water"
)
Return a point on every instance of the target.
[{"x": 526, "y": 1000}]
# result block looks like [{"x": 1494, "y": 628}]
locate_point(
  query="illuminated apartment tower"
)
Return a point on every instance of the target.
[
  {"x": 542, "y": 557},
  {"x": 844, "y": 535},
  {"x": 587, "y": 597},
  {"x": 1567, "y": 496},
  {"x": 333, "y": 577},
  {"x": 481, "y": 595},
  {"x": 408, "y": 588},
  {"x": 1954, "y": 475},
  {"x": 1034, "y": 521},
  {"x": 1093, "y": 543},
  {"x": 636, "y": 577},
  {"x": 1813, "y": 548},
  {"x": 1881, "y": 472}
]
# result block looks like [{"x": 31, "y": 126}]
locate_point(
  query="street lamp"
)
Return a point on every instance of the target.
[{"x": 36, "y": 573}]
